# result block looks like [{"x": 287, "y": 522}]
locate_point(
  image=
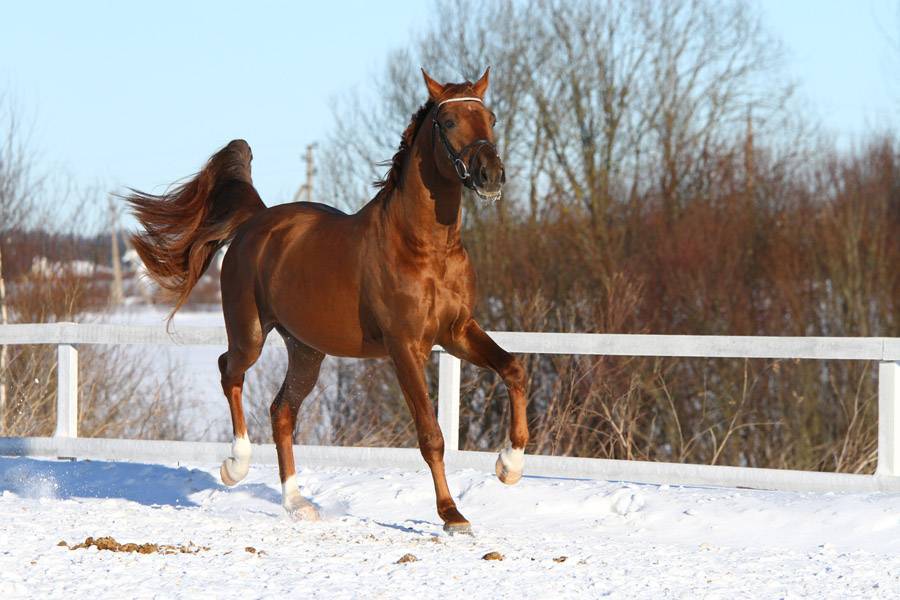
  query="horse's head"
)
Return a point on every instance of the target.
[{"x": 463, "y": 136}]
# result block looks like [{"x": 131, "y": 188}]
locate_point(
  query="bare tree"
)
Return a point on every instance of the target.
[
  {"x": 17, "y": 188},
  {"x": 368, "y": 123},
  {"x": 596, "y": 97},
  {"x": 598, "y": 100}
]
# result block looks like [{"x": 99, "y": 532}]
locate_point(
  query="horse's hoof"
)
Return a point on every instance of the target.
[
  {"x": 464, "y": 528},
  {"x": 235, "y": 467},
  {"x": 306, "y": 512},
  {"x": 510, "y": 465},
  {"x": 299, "y": 508},
  {"x": 226, "y": 478}
]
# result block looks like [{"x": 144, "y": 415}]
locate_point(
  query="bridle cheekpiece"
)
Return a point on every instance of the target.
[{"x": 462, "y": 169}]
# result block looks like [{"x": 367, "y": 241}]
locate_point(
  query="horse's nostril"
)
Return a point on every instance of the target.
[
  {"x": 482, "y": 173},
  {"x": 502, "y": 175}
]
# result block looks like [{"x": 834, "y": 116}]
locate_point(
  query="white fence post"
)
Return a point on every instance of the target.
[
  {"x": 449, "y": 369},
  {"x": 888, "y": 418},
  {"x": 67, "y": 392}
]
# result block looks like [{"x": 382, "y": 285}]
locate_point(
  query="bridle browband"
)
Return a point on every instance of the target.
[{"x": 456, "y": 158}]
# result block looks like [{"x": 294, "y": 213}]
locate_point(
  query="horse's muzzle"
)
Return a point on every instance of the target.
[{"x": 488, "y": 176}]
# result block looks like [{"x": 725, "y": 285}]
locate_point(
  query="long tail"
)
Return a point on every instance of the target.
[{"x": 184, "y": 227}]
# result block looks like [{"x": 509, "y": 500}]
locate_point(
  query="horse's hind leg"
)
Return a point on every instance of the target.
[
  {"x": 245, "y": 342},
  {"x": 302, "y": 374}
]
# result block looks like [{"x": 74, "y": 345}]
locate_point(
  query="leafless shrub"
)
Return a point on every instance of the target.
[
  {"x": 114, "y": 397},
  {"x": 118, "y": 401},
  {"x": 355, "y": 403}
]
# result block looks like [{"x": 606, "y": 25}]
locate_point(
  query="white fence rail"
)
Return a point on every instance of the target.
[{"x": 885, "y": 351}]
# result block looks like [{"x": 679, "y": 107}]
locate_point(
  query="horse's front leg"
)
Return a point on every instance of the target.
[
  {"x": 471, "y": 343},
  {"x": 409, "y": 364}
]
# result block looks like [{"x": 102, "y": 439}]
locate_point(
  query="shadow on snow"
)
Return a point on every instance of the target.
[{"x": 146, "y": 484}]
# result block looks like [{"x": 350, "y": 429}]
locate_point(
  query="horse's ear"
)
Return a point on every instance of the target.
[
  {"x": 434, "y": 88},
  {"x": 481, "y": 85}
]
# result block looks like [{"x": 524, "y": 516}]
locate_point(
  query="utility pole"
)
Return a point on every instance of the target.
[
  {"x": 116, "y": 295},
  {"x": 304, "y": 192}
]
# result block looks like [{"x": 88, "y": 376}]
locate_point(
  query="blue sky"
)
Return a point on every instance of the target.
[
  {"x": 117, "y": 93},
  {"x": 841, "y": 54}
]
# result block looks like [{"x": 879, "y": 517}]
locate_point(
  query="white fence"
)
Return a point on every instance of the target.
[{"x": 885, "y": 351}]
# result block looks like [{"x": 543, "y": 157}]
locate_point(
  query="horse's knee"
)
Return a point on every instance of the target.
[
  {"x": 431, "y": 444},
  {"x": 276, "y": 408}
]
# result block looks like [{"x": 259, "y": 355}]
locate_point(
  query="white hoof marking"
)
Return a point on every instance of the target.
[
  {"x": 236, "y": 467},
  {"x": 297, "y": 507},
  {"x": 510, "y": 465}
]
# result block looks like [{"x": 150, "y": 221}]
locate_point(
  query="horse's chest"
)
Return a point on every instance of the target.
[
  {"x": 437, "y": 303},
  {"x": 422, "y": 302},
  {"x": 443, "y": 297},
  {"x": 447, "y": 305}
]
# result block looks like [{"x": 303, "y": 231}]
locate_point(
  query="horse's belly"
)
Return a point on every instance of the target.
[
  {"x": 322, "y": 310},
  {"x": 310, "y": 285},
  {"x": 329, "y": 334}
]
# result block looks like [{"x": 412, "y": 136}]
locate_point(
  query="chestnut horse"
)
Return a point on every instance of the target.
[{"x": 391, "y": 280}]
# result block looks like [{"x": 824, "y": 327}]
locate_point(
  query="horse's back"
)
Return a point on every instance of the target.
[
  {"x": 326, "y": 208},
  {"x": 291, "y": 220},
  {"x": 302, "y": 264},
  {"x": 277, "y": 236}
]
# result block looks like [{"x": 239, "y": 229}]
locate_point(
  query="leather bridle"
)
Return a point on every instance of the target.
[{"x": 463, "y": 170}]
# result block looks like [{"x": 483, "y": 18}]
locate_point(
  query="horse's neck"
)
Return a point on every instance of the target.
[{"x": 426, "y": 206}]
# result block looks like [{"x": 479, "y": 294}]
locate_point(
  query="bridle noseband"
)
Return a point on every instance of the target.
[{"x": 456, "y": 158}]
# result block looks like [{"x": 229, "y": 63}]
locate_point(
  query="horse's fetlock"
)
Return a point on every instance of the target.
[{"x": 519, "y": 439}]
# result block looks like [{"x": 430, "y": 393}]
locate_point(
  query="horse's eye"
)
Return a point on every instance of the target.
[
  {"x": 493, "y": 120},
  {"x": 449, "y": 124}
]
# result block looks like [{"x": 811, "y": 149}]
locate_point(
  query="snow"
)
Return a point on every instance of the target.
[{"x": 619, "y": 540}]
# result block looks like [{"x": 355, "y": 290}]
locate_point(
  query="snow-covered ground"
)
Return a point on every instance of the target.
[{"x": 619, "y": 540}]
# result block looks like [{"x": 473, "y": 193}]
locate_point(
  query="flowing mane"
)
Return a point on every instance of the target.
[{"x": 391, "y": 179}]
